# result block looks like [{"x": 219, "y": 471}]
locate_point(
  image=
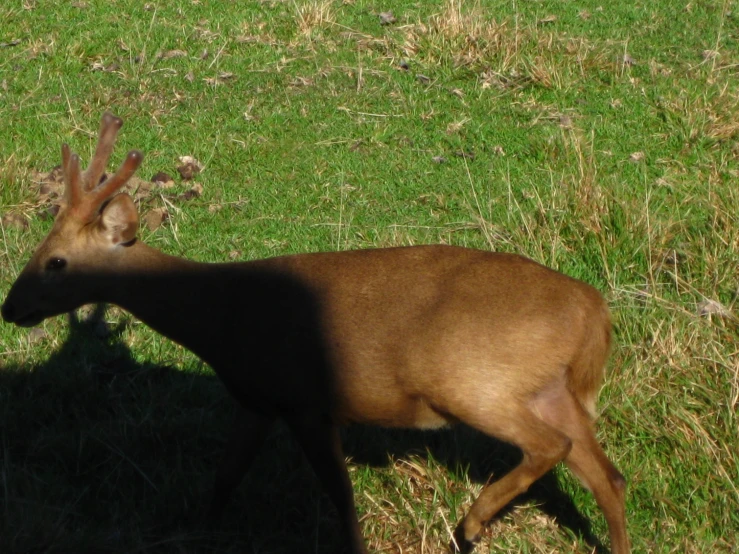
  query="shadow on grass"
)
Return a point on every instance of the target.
[
  {"x": 101, "y": 453},
  {"x": 481, "y": 458}
]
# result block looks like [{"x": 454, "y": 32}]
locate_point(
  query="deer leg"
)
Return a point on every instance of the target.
[
  {"x": 596, "y": 472},
  {"x": 588, "y": 462},
  {"x": 542, "y": 445},
  {"x": 245, "y": 439},
  {"x": 321, "y": 443}
]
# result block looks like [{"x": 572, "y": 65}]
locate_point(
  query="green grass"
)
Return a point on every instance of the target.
[{"x": 606, "y": 145}]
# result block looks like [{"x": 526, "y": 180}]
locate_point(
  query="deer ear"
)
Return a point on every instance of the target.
[{"x": 119, "y": 220}]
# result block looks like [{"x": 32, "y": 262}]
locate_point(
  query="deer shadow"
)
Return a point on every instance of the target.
[{"x": 103, "y": 452}]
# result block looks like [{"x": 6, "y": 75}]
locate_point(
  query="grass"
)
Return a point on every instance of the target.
[{"x": 600, "y": 139}]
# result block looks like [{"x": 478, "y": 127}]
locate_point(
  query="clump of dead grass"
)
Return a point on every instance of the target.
[
  {"x": 589, "y": 203},
  {"x": 313, "y": 15},
  {"x": 256, "y": 32},
  {"x": 710, "y": 116},
  {"x": 467, "y": 35},
  {"x": 507, "y": 53}
]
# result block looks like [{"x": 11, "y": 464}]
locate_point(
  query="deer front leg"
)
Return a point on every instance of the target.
[
  {"x": 245, "y": 439},
  {"x": 321, "y": 443}
]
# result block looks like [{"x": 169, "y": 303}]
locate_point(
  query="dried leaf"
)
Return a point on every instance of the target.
[
  {"x": 169, "y": 54},
  {"x": 406, "y": 142},
  {"x": 51, "y": 185},
  {"x": 138, "y": 188},
  {"x": 189, "y": 167},
  {"x": 11, "y": 219},
  {"x": 220, "y": 78},
  {"x": 565, "y": 121},
  {"x": 636, "y": 156},
  {"x": 49, "y": 212},
  {"x": 56, "y": 174},
  {"x": 194, "y": 192},
  {"x": 628, "y": 60},
  {"x": 301, "y": 82},
  {"x": 203, "y": 33},
  {"x": 386, "y": 18},
  {"x": 456, "y": 126},
  {"x": 100, "y": 66},
  {"x": 708, "y": 308},
  {"x": 163, "y": 180},
  {"x": 37, "y": 334},
  {"x": 234, "y": 254},
  {"x": 466, "y": 154},
  {"x": 154, "y": 218}
]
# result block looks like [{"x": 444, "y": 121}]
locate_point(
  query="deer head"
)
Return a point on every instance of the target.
[{"x": 93, "y": 227}]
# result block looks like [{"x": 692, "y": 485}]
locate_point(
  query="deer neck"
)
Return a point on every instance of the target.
[
  {"x": 169, "y": 294},
  {"x": 214, "y": 309}
]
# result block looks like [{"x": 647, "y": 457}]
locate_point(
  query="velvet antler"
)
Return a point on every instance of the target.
[{"x": 83, "y": 193}]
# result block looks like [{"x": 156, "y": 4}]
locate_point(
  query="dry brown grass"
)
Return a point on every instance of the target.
[
  {"x": 410, "y": 514},
  {"x": 256, "y": 32},
  {"x": 507, "y": 53},
  {"x": 467, "y": 33},
  {"x": 313, "y": 15},
  {"x": 713, "y": 115}
]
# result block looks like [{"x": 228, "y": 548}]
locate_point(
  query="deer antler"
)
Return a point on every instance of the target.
[{"x": 83, "y": 193}]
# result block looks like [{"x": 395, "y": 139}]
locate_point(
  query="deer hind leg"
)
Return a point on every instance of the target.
[
  {"x": 596, "y": 472},
  {"x": 559, "y": 408},
  {"x": 543, "y": 446}
]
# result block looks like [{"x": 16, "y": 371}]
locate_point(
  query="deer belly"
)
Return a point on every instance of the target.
[{"x": 386, "y": 409}]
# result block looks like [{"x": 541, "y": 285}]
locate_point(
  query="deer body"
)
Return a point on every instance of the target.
[{"x": 417, "y": 337}]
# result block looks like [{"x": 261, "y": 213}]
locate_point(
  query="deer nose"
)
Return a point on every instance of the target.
[{"x": 7, "y": 311}]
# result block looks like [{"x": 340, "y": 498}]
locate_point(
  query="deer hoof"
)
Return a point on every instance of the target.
[{"x": 460, "y": 544}]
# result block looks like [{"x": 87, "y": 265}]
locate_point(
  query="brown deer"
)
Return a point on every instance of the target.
[{"x": 416, "y": 337}]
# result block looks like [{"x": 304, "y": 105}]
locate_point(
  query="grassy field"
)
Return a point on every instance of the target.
[{"x": 599, "y": 138}]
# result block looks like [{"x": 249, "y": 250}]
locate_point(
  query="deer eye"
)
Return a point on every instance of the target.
[{"x": 55, "y": 264}]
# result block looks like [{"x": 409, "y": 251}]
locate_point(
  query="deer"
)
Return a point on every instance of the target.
[{"x": 420, "y": 337}]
